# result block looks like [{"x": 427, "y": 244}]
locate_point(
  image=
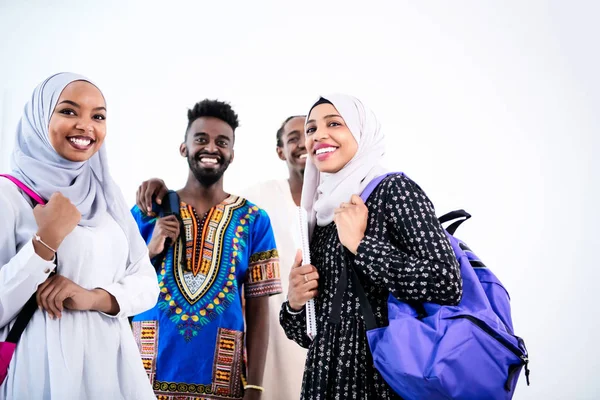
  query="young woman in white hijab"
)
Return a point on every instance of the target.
[
  {"x": 81, "y": 253},
  {"x": 394, "y": 242}
]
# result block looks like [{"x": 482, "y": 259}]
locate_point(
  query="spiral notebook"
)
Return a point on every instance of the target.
[{"x": 311, "y": 321}]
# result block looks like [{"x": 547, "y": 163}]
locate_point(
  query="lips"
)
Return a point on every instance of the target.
[
  {"x": 322, "y": 148},
  {"x": 325, "y": 150},
  {"x": 208, "y": 160},
  {"x": 322, "y": 151},
  {"x": 81, "y": 142}
]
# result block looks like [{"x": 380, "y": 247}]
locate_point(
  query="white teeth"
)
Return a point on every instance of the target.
[
  {"x": 325, "y": 150},
  {"x": 81, "y": 142},
  {"x": 303, "y": 156},
  {"x": 209, "y": 160}
]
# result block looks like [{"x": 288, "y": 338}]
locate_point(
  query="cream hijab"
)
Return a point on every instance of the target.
[{"x": 323, "y": 192}]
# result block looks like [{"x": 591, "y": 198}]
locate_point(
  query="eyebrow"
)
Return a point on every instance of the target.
[
  {"x": 78, "y": 106},
  {"x": 325, "y": 117},
  {"x": 206, "y": 134}
]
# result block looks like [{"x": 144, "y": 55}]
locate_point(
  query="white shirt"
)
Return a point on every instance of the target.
[
  {"x": 84, "y": 354},
  {"x": 284, "y": 367}
]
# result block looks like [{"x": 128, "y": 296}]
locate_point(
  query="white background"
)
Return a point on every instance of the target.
[{"x": 490, "y": 106}]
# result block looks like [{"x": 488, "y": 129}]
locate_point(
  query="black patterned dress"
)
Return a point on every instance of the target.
[{"x": 405, "y": 252}]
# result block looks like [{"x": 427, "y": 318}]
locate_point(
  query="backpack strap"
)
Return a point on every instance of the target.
[
  {"x": 374, "y": 183},
  {"x": 33, "y": 195},
  {"x": 29, "y": 308},
  {"x": 453, "y": 215},
  {"x": 171, "y": 201},
  {"x": 22, "y": 320}
]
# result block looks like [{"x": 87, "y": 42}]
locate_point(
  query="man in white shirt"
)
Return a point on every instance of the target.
[{"x": 284, "y": 367}]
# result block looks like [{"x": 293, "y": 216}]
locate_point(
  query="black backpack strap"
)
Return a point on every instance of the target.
[
  {"x": 22, "y": 320},
  {"x": 28, "y": 309},
  {"x": 365, "y": 306},
  {"x": 451, "y": 216},
  {"x": 25, "y": 315},
  {"x": 170, "y": 203}
]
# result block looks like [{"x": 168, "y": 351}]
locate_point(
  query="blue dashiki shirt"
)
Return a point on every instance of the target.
[{"x": 192, "y": 341}]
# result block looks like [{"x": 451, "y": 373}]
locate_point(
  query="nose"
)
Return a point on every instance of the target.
[
  {"x": 85, "y": 124},
  {"x": 302, "y": 142},
  {"x": 320, "y": 134},
  {"x": 211, "y": 147}
]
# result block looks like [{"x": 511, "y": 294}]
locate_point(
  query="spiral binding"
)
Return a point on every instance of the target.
[{"x": 311, "y": 320}]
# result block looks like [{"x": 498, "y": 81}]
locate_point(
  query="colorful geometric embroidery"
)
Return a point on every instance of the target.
[
  {"x": 146, "y": 337},
  {"x": 207, "y": 285},
  {"x": 263, "y": 274},
  {"x": 227, "y": 365},
  {"x": 185, "y": 391}
]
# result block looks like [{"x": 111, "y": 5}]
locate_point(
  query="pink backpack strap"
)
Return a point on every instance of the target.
[{"x": 25, "y": 189}]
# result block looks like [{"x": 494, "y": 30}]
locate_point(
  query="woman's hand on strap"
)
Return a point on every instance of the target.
[
  {"x": 55, "y": 221},
  {"x": 351, "y": 222}
]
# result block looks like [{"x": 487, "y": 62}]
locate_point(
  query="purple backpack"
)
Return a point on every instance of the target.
[
  {"x": 7, "y": 348},
  {"x": 468, "y": 351}
]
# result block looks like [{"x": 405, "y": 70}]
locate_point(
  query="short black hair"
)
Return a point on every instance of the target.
[
  {"x": 280, "y": 130},
  {"x": 216, "y": 109}
]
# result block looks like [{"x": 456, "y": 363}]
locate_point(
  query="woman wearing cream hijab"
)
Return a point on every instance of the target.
[{"x": 394, "y": 242}]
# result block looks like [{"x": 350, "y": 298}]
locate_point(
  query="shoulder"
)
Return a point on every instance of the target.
[
  {"x": 12, "y": 199},
  {"x": 398, "y": 185},
  {"x": 257, "y": 216},
  {"x": 252, "y": 207}
]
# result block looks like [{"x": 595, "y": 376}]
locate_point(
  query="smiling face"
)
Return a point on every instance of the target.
[
  {"x": 209, "y": 149},
  {"x": 291, "y": 147},
  {"x": 77, "y": 126},
  {"x": 329, "y": 142}
]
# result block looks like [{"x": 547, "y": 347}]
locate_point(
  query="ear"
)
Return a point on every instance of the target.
[
  {"x": 232, "y": 156},
  {"x": 183, "y": 150},
  {"x": 280, "y": 153}
]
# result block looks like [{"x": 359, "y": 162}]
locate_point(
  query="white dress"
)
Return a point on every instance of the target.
[
  {"x": 85, "y": 354},
  {"x": 284, "y": 366}
]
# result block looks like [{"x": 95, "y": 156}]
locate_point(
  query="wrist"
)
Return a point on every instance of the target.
[
  {"x": 95, "y": 299},
  {"x": 103, "y": 301},
  {"x": 293, "y": 308},
  {"x": 152, "y": 250},
  {"x": 49, "y": 238},
  {"x": 256, "y": 388},
  {"x": 353, "y": 248},
  {"x": 42, "y": 251}
]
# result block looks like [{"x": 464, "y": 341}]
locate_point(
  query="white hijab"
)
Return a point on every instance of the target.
[
  {"x": 322, "y": 192},
  {"x": 87, "y": 184}
]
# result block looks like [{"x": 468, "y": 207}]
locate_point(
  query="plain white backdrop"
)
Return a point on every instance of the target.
[{"x": 490, "y": 106}]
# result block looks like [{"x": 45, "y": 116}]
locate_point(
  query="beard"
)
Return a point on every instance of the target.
[{"x": 207, "y": 176}]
